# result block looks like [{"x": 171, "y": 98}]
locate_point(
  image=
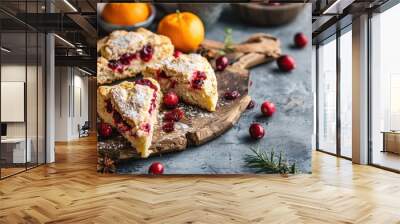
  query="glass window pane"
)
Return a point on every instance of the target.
[
  {"x": 346, "y": 94},
  {"x": 386, "y": 89},
  {"x": 327, "y": 97},
  {"x": 13, "y": 85}
]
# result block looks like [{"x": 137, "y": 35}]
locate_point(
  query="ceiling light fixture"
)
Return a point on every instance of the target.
[
  {"x": 84, "y": 71},
  {"x": 64, "y": 40},
  {"x": 337, "y": 7},
  {"x": 70, "y": 5},
  {"x": 5, "y": 50}
]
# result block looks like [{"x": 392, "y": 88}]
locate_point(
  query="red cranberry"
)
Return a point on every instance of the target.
[
  {"x": 146, "y": 82},
  {"x": 146, "y": 53},
  {"x": 268, "y": 108},
  {"x": 250, "y": 105},
  {"x": 156, "y": 168},
  {"x": 221, "y": 63},
  {"x": 171, "y": 100},
  {"x": 286, "y": 63},
  {"x": 231, "y": 95},
  {"x": 174, "y": 115},
  {"x": 301, "y": 40},
  {"x": 115, "y": 65},
  {"x": 256, "y": 131},
  {"x": 109, "y": 107},
  {"x": 105, "y": 130},
  {"x": 168, "y": 126},
  {"x": 177, "y": 53},
  {"x": 198, "y": 79},
  {"x": 145, "y": 127}
]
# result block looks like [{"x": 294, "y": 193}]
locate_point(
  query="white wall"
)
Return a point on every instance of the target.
[{"x": 71, "y": 103}]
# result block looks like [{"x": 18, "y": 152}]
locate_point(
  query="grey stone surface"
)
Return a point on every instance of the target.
[{"x": 289, "y": 130}]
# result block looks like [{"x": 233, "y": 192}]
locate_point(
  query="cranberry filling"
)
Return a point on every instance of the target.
[
  {"x": 126, "y": 58},
  {"x": 145, "y": 127},
  {"x": 146, "y": 53},
  {"x": 122, "y": 125},
  {"x": 198, "y": 79},
  {"x": 115, "y": 65},
  {"x": 146, "y": 82},
  {"x": 109, "y": 107}
]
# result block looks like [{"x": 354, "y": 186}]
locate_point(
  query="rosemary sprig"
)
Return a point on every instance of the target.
[
  {"x": 265, "y": 162},
  {"x": 228, "y": 42}
]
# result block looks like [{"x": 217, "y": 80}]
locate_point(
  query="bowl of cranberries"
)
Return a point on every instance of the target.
[{"x": 267, "y": 13}]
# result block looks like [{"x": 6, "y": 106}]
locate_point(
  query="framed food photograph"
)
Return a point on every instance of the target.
[{"x": 216, "y": 88}]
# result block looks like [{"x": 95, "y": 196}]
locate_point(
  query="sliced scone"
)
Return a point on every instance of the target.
[
  {"x": 190, "y": 76},
  {"x": 124, "y": 54},
  {"x": 132, "y": 108}
]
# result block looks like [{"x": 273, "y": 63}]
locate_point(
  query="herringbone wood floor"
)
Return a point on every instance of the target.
[{"x": 70, "y": 191}]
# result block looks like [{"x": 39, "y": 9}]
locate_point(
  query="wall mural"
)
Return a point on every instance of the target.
[{"x": 204, "y": 88}]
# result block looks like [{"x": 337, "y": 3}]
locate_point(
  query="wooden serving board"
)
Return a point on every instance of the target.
[{"x": 200, "y": 126}]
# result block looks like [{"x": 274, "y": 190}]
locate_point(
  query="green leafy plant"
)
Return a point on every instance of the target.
[
  {"x": 228, "y": 42},
  {"x": 269, "y": 162}
]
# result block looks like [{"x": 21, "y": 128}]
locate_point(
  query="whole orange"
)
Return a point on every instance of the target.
[
  {"x": 126, "y": 13},
  {"x": 185, "y": 30}
]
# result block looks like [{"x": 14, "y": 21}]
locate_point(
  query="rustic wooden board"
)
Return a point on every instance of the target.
[{"x": 200, "y": 126}]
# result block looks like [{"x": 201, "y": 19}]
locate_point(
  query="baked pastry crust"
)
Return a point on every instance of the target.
[
  {"x": 122, "y": 50},
  {"x": 131, "y": 108},
  {"x": 190, "y": 76}
]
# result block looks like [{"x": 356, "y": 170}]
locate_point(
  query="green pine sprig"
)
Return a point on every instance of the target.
[{"x": 269, "y": 162}]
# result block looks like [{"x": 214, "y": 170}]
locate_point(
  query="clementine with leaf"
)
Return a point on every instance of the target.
[{"x": 186, "y": 30}]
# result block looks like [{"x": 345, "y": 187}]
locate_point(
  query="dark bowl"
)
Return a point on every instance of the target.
[{"x": 267, "y": 15}]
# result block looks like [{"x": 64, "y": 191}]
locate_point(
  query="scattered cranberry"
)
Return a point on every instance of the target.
[
  {"x": 301, "y": 40},
  {"x": 286, "y": 63},
  {"x": 198, "y": 79},
  {"x": 146, "y": 82},
  {"x": 156, "y": 168},
  {"x": 256, "y": 131},
  {"x": 146, "y": 53},
  {"x": 250, "y": 105},
  {"x": 105, "y": 130},
  {"x": 174, "y": 115},
  {"x": 268, "y": 108},
  {"x": 231, "y": 95},
  {"x": 221, "y": 63},
  {"x": 109, "y": 107},
  {"x": 177, "y": 53},
  {"x": 115, "y": 65},
  {"x": 168, "y": 126},
  {"x": 171, "y": 100}
]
